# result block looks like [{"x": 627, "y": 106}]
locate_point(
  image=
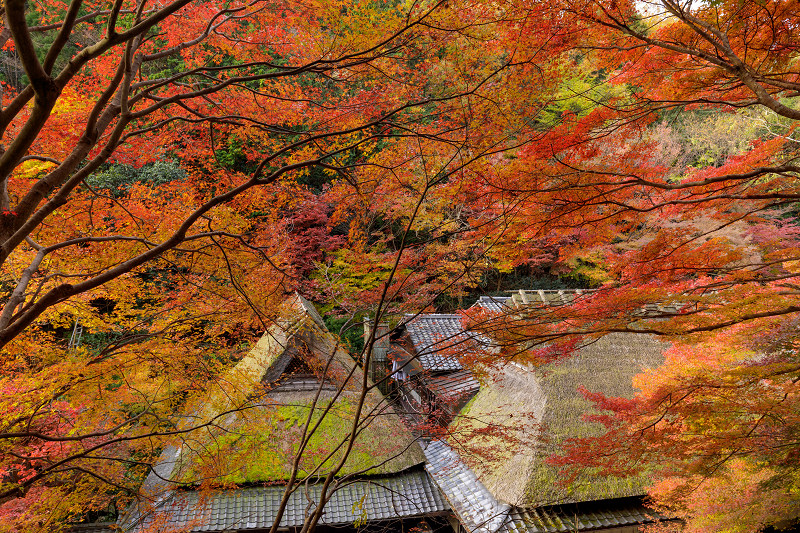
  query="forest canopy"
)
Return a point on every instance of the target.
[{"x": 172, "y": 170}]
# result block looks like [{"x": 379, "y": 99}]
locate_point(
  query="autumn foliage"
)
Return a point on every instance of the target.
[{"x": 171, "y": 170}]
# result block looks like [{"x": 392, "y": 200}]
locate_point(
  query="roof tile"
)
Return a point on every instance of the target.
[
  {"x": 477, "y": 510},
  {"x": 579, "y": 517},
  {"x": 411, "y": 493},
  {"x": 440, "y": 340},
  {"x": 455, "y": 385},
  {"x": 497, "y": 304}
]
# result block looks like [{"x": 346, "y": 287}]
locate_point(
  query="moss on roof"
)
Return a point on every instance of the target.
[
  {"x": 259, "y": 427},
  {"x": 607, "y": 366},
  {"x": 522, "y": 416},
  {"x": 262, "y": 446},
  {"x": 495, "y": 432}
]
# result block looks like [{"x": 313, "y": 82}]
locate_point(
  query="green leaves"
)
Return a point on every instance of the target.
[{"x": 118, "y": 178}]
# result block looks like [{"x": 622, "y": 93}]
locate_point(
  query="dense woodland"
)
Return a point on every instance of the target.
[{"x": 171, "y": 170}]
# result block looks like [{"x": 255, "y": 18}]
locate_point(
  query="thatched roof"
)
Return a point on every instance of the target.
[
  {"x": 606, "y": 366},
  {"x": 496, "y": 431},
  {"x": 260, "y": 414},
  {"x": 543, "y": 405}
]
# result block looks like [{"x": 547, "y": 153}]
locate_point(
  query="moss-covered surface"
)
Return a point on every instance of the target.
[
  {"x": 258, "y": 427},
  {"x": 606, "y": 366},
  {"x": 496, "y": 432},
  {"x": 262, "y": 446},
  {"x": 521, "y": 417}
]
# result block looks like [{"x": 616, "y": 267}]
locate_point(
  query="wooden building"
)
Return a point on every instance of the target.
[
  {"x": 488, "y": 456},
  {"x": 444, "y": 449},
  {"x": 233, "y": 476}
]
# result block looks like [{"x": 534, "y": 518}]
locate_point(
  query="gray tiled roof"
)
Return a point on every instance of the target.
[
  {"x": 581, "y": 517},
  {"x": 453, "y": 385},
  {"x": 438, "y": 340},
  {"x": 498, "y": 304},
  {"x": 96, "y": 527},
  {"x": 477, "y": 510},
  {"x": 658, "y": 309},
  {"x": 403, "y": 495}
]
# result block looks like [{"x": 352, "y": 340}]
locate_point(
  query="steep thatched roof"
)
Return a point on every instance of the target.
[
  {"x": 495, "y": 433},
  {"x": 538, "y": 409},
  {"x": 260, "y": 410},
  {"x": 607, "y": 366}
]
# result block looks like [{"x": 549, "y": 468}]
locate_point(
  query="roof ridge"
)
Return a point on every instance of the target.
[
  {"x": 515, "y": 291},
  {"x": 471, "y": 501},
  {"x": 435, "y": 315}
]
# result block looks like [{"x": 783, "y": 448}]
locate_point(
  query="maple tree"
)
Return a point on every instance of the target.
[
  {"x": 156, "y": 171},
  {"x": 694, "y": 243},
  {"x": 382, "y": 154}
]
